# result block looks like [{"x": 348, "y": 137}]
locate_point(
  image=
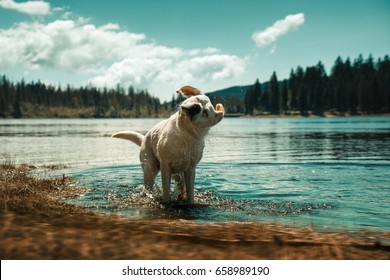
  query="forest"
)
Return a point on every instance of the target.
[
  {"x": 357, "y": 87},
  {"x": 38, "y": 100}
]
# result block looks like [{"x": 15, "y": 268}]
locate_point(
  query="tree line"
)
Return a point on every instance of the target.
[
  {"x": 358, "y": 87},
  {"x": 36, "y": 99}
]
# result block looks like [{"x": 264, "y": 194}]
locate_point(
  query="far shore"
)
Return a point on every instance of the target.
[
  {"x": 310, "y": 115},
  {"x": 227, "y": 115},
  {"x": 36, "y": 223}
]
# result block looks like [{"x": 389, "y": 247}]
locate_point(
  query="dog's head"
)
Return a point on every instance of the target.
[{"x": 198, "y": 108}]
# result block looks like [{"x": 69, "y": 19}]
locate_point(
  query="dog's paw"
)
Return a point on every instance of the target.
[{"x": 181, "y": 197}]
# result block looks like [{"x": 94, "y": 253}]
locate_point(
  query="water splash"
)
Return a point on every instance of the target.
[{"x": 137, "y": 202}]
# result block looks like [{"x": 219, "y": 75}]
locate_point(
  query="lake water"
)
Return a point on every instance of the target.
[{"x": 323, "y": 173}]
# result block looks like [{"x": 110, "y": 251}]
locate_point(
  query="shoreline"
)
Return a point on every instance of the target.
[
  {"x": 325, "y": 115},
  {"x": 35, "y": 223},
  {"x": 227, "y": 115}
]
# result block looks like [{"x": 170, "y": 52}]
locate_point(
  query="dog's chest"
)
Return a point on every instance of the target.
[
  {"x": 187, "y": 158},
  {"x": 180, "y": 155}
]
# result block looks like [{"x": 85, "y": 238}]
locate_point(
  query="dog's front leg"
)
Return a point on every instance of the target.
[
  {"x": 166, "y": 175},
  {"x": 189, "y": 179}
]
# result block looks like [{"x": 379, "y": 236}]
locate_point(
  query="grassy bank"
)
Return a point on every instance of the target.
[{"x": 35, "y": 223}]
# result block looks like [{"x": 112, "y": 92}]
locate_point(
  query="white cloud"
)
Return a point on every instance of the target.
[
  {"x": 35, "y": 8},
  {"x": 152, "y": 71},
  {"x": 64, "y": 45},
  {"x": 212, "y": 67},
  {"x": 109, "y": 55},
  {"x": 279, "y": 28}
]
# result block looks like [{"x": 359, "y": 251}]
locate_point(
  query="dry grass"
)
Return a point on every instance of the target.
[
  {"x": 36, "y": 224},
  {"x": 25, "y": 194}
]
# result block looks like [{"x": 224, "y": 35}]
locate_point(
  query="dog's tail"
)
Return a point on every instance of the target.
[{"x": 133, "y": 136}]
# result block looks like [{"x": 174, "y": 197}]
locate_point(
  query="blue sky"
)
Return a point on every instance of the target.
[{"x": 161, "y": 45}]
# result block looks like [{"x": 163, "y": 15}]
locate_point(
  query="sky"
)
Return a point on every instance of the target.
[{"x": 161, "y": 45}]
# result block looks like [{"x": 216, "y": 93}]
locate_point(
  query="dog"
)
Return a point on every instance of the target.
[{"x": 175, "y": 146}]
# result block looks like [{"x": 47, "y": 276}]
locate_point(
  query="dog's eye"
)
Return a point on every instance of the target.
[{"x": 193, "y": 110}]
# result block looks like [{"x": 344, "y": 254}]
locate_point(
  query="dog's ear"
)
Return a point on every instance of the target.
[
  {"x": 188, "y": 91},
  {"x": 191, "y": 109}
]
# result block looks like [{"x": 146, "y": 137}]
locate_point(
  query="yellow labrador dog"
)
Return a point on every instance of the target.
[{"x": 175, "y": 146}]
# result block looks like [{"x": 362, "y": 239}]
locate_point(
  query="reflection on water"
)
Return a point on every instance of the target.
[{"x": 323, "y": 173}]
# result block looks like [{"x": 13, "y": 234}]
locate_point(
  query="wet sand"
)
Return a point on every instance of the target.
[{"x": 36, "y": 224}]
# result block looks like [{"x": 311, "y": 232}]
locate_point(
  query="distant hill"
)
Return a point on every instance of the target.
[{"x": 235, "y": 91}]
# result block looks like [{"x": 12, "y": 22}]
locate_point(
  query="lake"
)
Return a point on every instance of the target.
[{"x": 322, "y": 173}]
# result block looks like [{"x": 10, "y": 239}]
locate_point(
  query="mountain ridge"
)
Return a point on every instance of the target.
[
  {"x": 237, "y": 91},
  {"x": 233, "y": 91}
]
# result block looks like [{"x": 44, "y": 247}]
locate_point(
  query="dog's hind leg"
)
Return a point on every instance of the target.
[
  {"x": 180, "y": 186},
  {"x": 150, "y": 167},
  {"x": 150, "y": 173}
]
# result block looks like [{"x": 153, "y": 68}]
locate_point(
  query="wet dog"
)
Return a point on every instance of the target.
[{"x": 175, "y": 146}]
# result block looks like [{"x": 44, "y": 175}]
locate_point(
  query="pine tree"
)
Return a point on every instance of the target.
[
  {"x": 252, "y": 96},
  {"x": 382, "y": 79},
  {"x": 17, "y": 112},
  {"x": 173, "y": 103},
  {"x": 274, "y": 94},
  {"x": 300, "y": 91},
  {"x": 284, "y": 97},
  {"x": 292, "y": 103}
]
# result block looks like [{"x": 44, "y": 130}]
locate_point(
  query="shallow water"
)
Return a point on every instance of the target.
[{"x": 324, "y": 173}]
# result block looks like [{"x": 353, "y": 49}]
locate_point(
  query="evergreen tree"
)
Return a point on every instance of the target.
[
  {"x": 337, "y": 96},
  {"x": 365, "y": 75},
  {"x": 383, "y": 85},
  {"x": 17, "y": 112},
  {"x": 252, "y": 96},
  {"x": 173, "y": 103},
  {"x": 292, "y": 103},
  {"x": 274, "y": 94},
  {"x": 264, "y": 98},
  {"x": 284, "y": 97},
  {"x": 314, "y": 85},
  {"x": 301, "y": 91}
]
